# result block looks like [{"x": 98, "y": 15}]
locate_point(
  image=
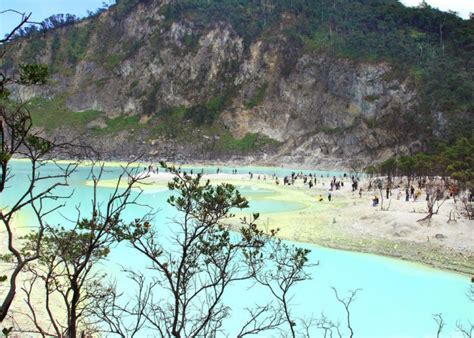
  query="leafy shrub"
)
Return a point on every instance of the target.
[
  {"x": 207, "y": 113},
  {"x": 258, "y": 97}
]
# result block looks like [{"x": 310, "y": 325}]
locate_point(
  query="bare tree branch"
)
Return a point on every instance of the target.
[
  {"x": 346, "y": 302},
  {"x": 438, "y": 318}
]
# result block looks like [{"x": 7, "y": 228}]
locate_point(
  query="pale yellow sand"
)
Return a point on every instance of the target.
[{"x": 350, "y": 222}]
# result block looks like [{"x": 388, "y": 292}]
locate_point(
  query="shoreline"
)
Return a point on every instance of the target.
[
  {"x": 349, "y": 223},
  {"x": 410, "y": 258},
  {"x": 265, "y": 165}
]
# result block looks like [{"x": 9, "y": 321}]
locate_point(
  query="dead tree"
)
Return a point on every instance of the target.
[
  {"x": 282, "y": 271},
  {"x": 66, "y": 269},
  {"x": 467, "y": 331},
  {"x": 379, "y": 185},
  {"x": 123, "y": 314},
  {"x": 328, "y": 327},
  {"x": 346, "y": 302},
  {"x": 434, "y": 189},
  {"x": 438, "y": 318},
  {"x": 261, "y": 319},
  {"x": 467, "y": 205},
  {"x": 356, "y": 166}
]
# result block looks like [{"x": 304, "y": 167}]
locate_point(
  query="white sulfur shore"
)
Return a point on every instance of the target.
[{"x": 351, "y": 222}]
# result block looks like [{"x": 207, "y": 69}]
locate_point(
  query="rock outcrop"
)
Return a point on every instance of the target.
[{"x": 319, "y": 108}]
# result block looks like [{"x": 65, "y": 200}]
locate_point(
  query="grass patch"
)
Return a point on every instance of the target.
[
  {"x": 191, "y": 42},
  {"x": 331, "y": 131},
  {"x": 134, "y": 84},
  {"x": 120, "y": 123},
  {"x": 319, "y": 40},
  {"x": 52, "y": 114},
  {"x": 102, "y": 82},
  {"x": 249, "y": 143},
  {"x": 371, "y": 122},
  {"x": 112, "y": 61},
  {"x": 258, "y": 97}
]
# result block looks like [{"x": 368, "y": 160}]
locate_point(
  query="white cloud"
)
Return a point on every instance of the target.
[{"x": 462, "y": 7}]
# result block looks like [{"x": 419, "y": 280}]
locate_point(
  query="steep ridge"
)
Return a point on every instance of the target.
[{"x": 216, "y": 80}]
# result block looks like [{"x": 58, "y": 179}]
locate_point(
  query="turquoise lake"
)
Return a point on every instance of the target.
[{"x": 398, "y": 298}]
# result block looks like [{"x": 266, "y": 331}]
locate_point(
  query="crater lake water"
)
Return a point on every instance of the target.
[{"x": 398, "y": 298}]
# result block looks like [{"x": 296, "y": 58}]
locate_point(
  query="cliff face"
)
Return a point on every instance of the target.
[
  {"x": 326, "y": 108},
  {"x": 305, "y": 106}
]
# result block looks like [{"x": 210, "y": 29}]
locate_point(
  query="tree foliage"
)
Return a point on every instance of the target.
[
  {"x": 66, "y": 276},
  {"x": 455, "y": 161},
  {"x": 191, "y": 275}
]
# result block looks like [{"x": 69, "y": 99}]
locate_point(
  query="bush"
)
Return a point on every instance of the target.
[
  {"x": 258, "y": 97},
  {"x": 207, "y": 113}
]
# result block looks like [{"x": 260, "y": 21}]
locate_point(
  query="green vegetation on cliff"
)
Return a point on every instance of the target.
[
  {"x": 172, "y": 124},
  {"x": 258, "y": 97},
  {"x": 436, "y": 47},
  {"x": 427, "y": 49},
  {"x": 52, "y": 114}
]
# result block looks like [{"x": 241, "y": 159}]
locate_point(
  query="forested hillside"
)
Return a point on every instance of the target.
[{"x": 308, "y": 81}]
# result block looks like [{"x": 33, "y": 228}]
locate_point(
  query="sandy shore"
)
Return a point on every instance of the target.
[
  {"x": 349, "y": 222},
  {"x": 18, "y": 318}
]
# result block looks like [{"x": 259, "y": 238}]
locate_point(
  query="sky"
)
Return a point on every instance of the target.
[
  {"x": 462, "y": 7},
  {"x": 42, "y": 9}
]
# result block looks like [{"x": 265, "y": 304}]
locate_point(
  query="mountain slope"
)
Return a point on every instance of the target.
[{"x": 300, "y": 81}]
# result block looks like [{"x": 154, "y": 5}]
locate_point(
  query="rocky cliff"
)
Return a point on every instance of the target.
[{"x": 179, "y": 87}]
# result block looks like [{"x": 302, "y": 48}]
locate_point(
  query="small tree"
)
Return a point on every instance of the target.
[
  {"x": 283, "y": 270},
  {"x": 434, "y": 198},
  {"x": 356, "y": 166},
  {"x": 193, "y": 273},
  {"x": 17, "y": 138},
  {"x": 66, "y": 271}
]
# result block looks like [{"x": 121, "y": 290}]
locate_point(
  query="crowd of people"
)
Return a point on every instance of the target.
[{"x": 404, "y": 186}]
